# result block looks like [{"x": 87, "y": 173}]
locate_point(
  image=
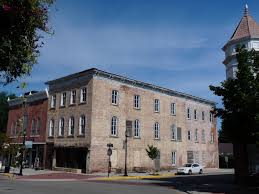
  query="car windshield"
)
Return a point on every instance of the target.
[{"x": 188, "y": 165}]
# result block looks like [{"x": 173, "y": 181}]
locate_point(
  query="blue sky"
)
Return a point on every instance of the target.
[{"x": 174, "y": 44}]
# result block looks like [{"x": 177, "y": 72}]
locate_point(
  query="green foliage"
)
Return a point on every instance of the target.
[
  {"x": 21, "y": 23},
  {"x": 240, "y": 96},
  {"x": 4, "y": 109},
  {"x": 152, "y": 152}
]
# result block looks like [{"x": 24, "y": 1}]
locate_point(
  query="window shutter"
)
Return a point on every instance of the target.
[{"x": 179, "y": 134}]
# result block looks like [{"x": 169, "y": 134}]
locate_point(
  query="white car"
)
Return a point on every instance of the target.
[{"x": 190, "y": 169}]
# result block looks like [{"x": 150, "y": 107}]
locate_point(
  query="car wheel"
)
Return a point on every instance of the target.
[
  {"x": 200, "y": 171},
  {"x": 190, "y": 172}
]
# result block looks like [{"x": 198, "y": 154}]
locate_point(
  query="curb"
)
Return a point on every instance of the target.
[{"x": 134, "y": 177}]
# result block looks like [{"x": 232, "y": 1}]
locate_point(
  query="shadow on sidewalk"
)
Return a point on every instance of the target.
[{"x": 206, "y": 183}]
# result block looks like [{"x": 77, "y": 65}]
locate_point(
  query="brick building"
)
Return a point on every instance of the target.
[
  {"x": 35, "y": 112},
  {"x": 89, "y": 109}
]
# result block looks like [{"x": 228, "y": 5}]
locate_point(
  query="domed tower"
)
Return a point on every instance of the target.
[{"x": 246, "y": 34}]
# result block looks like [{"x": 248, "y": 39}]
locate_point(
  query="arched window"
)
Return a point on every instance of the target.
[
  {"x": 196, "y": 135},
  {"x": 82, "y": 124},
  {"x": 61, "y": 127},
  {"x": 71, "y": 126},
  {"x": 33, "y": 127},
  {"x": 203, "y": 136},
  {"x": 136, "y": 128},
  {"x": 114, "y": 126},
  {"x": 157, "y": 130},
  {"x": 51, "y": 128}
]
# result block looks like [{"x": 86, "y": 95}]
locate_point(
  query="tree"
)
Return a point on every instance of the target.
[
  {"x": 4, "y": 109},
  {"x": 240, "y": 115},
  {"x": 152, "y": 152},
  {"x": 22, "y": 22}
]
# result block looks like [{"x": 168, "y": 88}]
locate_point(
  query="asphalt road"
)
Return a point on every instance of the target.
[{"x": 78, "y": 187}]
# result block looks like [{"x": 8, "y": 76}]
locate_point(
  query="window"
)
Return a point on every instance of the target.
[
  {"x": 136, "y": 128},
  {"x": 174, "y": 132},
  {"x": 189, "y": 135},
  {"x": 73, "y": 97},
  {"x": 53, "y": 101},
  {"x": 137, "y": 101},
  {"x": 114, "y": 126},
  {"x": 157, "y": 131},
  {"x": 196, "y": 135},
  {"x": 203, "y": 115},
  {"x": 51, "y": 128},
  {"x": 37, "y": 131},
  {"x": 33, "y": 127},
  {"x": 195, "y": 114},
  {"x": 211, "y": 117},
  {"x": 63, "y": 99},
  {"x": 179, "y": 133},
  {"x": 203, "y": 136},
  {"x": 115, "y": 96},
  {"x": 61, "y": 127},
  {"x": 156, "y": 105},
  {"x": 188, "y": 113},
  {"x": 211, "y": 137},
  {"x": 173, "y": 109},
  {"x": 82, "y": 124},
  {"x": 83, "y": 95},
  {"x": 173, "y": 158},
  {"x": 71, "y": 126}
]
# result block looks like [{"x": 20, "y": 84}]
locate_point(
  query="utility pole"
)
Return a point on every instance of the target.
[{"x": 128, "y": 133}]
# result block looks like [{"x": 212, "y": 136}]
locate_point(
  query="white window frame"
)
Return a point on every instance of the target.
[
  {"x": 82, "y": 124},
  {"x": 63, "y": 98},
  {"x": 203, "y": 136},
  {"x": 203, "y": 115},
  {"x": 189, "y": 135},
  {"x": 196, "y": 135},
  {"x": 211, "y": 137},
  {"x": 195, "y": 114},
  {"x": 137, "y": 101},
  {"x": 51, "y": 128},
  {"x": 173, "y": 108},
  {"x": 83, "y": 95},
  {"x": 73, "y": 97},
  {"x": 174, "y": 155},
  {"x": 61, "y": 125},
  {"x": 33, "y": 127},
  {"x": 157, "y": 130},
  {"x": 156, "y": 105},
  {"x": 53, "y": 101},
  {"x": 174, "y": 132},
  {"x": 71, "y": 126},
  {"x": 114, "y": 126},
  {"x": 211, "y": 117},
  {"x": 115, "y": 97},
  {"x": 137, "y": 128},
  {"x": 188, "y": 113}
]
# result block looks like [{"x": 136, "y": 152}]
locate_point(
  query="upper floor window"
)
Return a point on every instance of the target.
[
  {"x": 137, "y": 101},
  {"x": 114, "y": 126},
  {"x": 211, "y": 137},
  {"x": 211, "y": 117},
  {"x": 188, "y": 113},
  {"x": 157, "y": 131},
  {"x": 73, "y": 97},
  {"x": 115, "y": 97},
  {"x": 136, "y": 128},
  {"x": 63, "y": 99},
  {"x": 38, "y": 127},
  {"x": 156, "y": 105},
  {"x": 71, "y": 127},
  {"x": 189, "y": 135},
  {"x": 173, "y": 158},
  {"x": 51, "y": 128},
  {"x": 196, "y": 135},
  {"x": 83, "y": 95},
  {"x": 195, "y": 114},
  {"x": 82, "y": 124},
  {"x": 174, "y": 132},
  {"x": 203, "y": 115},
  {"x": 203, "y": 139},
  {"x": 173, "y": 109},
  {"x": 33, "y": 127},
  {"x": 61, "y": 127},
  {"x": 53, "y": 101}
]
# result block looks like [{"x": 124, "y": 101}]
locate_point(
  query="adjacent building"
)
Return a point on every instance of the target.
[
  {"x": 30, "y": 112},
  {"x": 89, "y": 109}
]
